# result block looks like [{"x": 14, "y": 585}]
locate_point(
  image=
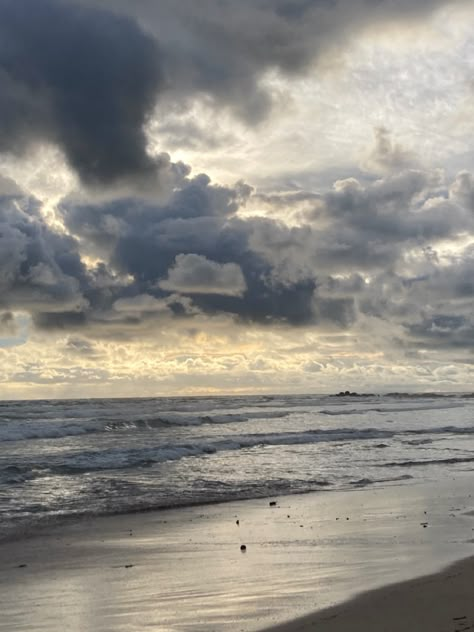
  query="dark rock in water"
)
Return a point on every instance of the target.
[
  {"x": 237, "y": 522},
  {"x": 243, "y": 547},
  {"x": 352, "y": 394},
  {"x": 272, "y": 503}
]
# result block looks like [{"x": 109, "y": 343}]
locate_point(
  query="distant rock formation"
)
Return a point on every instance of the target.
[{"x": 352, "y": 394}]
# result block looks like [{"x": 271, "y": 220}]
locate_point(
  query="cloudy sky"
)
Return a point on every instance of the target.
[{"x": 211, "y": 196}]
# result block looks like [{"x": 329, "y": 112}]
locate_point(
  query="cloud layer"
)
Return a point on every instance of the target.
[
  {"x": 394, "y": 250},
  {"x": 373, "y": 270},
  {"x": 91, "y": 85}
]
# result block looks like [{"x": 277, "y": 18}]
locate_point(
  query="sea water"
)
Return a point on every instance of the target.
[{"x": 63, "y": 459}]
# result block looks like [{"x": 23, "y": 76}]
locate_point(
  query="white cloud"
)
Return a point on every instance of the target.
[{"x": 195, "y": 274}]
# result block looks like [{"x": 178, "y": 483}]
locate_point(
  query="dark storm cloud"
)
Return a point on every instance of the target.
[
  {"x": 365, "y": 251},
  {"x": 259, "y": 269},
  {"x": 38, "y": 267},
  {"x": 221, "y": 49},
  {"x": 79, "y": 77},
  {"x": 197, "y": 245},
  {"x": 371, "y": 225},
  {"x": 86, "y": 74},
  {"x": 155, "y": 244},
  {"x": 443, "y": 331},
  {"x": 191, "y": 255},
  {"x": 42, "y": 272}
]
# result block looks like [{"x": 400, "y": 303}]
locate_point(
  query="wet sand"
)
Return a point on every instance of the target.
[{"x": 181, "y": 570}]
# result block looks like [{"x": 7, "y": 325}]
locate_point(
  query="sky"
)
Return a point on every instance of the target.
[{"x": 218, "y": 197}]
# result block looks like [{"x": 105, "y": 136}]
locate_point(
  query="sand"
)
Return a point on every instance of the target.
[
  {"x": 443, "y": 602},
  {"x": 181, "y": 570}
]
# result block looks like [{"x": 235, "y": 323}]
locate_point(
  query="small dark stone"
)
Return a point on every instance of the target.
[
  {"x": 237, "y": 522},
  {"x": 243, "y": 547},
  {"x": 128, "y": 565},
  {"x": 22, "y": 565},
  {"x": 272, "y": 503}
]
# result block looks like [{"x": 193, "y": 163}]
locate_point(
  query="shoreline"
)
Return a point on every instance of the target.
[
  {"x": 438, "y": 602},
  {"x": 181, "y": 569},
  {"x": 19, "y": 532}
]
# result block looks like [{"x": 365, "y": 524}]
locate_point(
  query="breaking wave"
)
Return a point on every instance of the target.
[{"x": 47, "y": 429}]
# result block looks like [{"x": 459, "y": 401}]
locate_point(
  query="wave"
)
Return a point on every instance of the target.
[
  {"x": 124, "y": 458},
  {"x": 14, "y": 474},
  {"x": 48, "y": 429},
  {"x": 415, "y": 463},
  {"x": 24, "y": 431},
  {"x": 364, "y": 482},
  {"x": 388, "y": 409},
  {"x": 120, "y": 458}
]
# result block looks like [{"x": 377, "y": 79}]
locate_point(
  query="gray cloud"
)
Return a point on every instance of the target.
[
  {"x": 8, "y": 324},
  {"x": 194, "y": 274},
  {"x": 388, "y": 156},
  {"x": 39, "y": 268},
  {"x": 83, "y": 78},
  {"x": 462, "y": 190},
  {"x": 80, "y": 346},
  {"x": 139, "y": 304},
  {"x": 349, "y": 257},
  {"x": 363, "y": 251},
  {"x": 91, "y": 85},
  {"x": 443, "y": 331},
  {"x": 142, "y": 240},
  {"x": 221, "y": 49}
]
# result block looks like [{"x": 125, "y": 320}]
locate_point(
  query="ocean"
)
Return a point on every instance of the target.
[{"x": 66, "y": 459}]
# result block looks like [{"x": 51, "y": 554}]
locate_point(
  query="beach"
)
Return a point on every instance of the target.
[
  {"x": 183, "y": 569},
  {"x": 437, "y": 603},
  {"x": 236, "y": 316}
]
